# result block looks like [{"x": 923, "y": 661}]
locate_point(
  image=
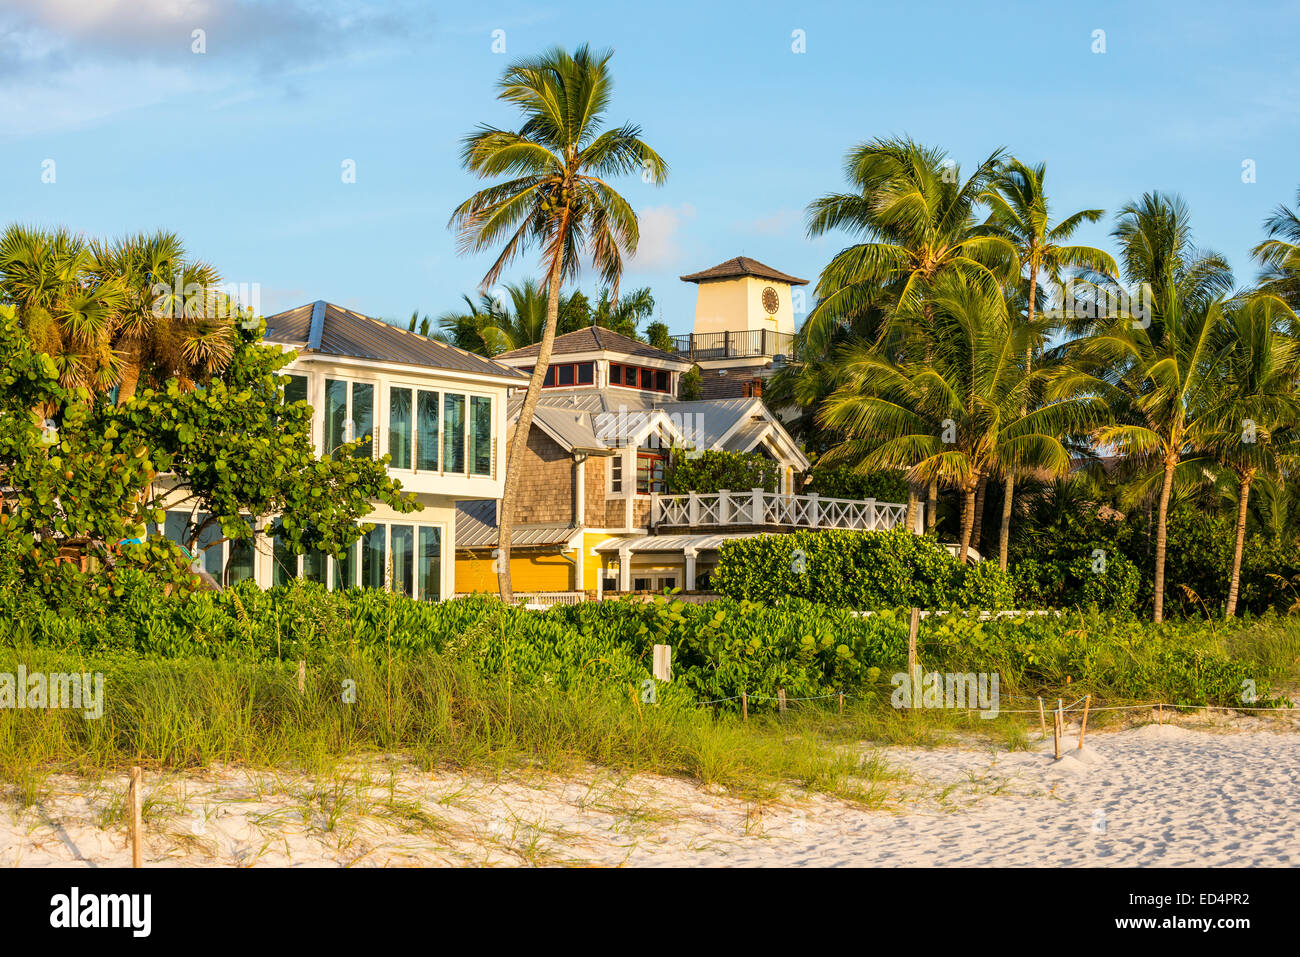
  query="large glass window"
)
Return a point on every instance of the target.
[
  {"x": 430, "y": 563},
  {"x": 363, "y": 417},
  {"x": 402, "y": 543},
  {"x": 453, "y": 433},
  {"x": 426, "y": 427},
  {"x": 284, "y": 562},
  {"x": 242, "y": 558},
  {"x": 480, "y": 435},
  {"x": 399, "y": 427},
  {"x": 336, "y": 413},
  {"x": 373, "y": 555},
  {"x": 345, "y": 568}
]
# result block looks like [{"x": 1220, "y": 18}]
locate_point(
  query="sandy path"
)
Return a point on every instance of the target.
[{"x": 1154, "y": 795}]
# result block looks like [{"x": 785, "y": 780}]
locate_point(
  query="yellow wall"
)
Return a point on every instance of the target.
[
  {"x": 732, "y": 305},
  {"x": 528, "y": 572}
]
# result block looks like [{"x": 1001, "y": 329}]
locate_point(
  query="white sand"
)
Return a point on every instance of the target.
[{"x": 1154, "y": 795}]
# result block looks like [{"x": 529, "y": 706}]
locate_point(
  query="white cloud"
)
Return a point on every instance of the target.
[{"x": 659, "y": 245}]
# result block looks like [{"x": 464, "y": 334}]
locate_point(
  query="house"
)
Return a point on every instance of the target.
[
  {"x": 592, "y": 513},
  {"x": 438, "y": 411}
]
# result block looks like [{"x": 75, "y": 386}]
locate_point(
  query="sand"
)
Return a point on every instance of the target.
[{"x": 1155, "y": 795}]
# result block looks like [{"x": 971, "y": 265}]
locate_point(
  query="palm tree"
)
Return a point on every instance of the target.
[
  {"x": 959, "y": 411},
  {"x": 1280, "y": 253},
  {"x": 173, "y": 320},
  {"x": 1155, "y": 367},
  {"x": 1255, "y": 402},
  {"x": 916, "y": 218},
  {"x": 555, "y": 196},
  {"x": 65, "y": 313},
  {"x": 1019, "y": 214}
]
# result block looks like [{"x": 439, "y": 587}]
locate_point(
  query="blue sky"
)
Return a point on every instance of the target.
[{"x": 240, "y": 148}]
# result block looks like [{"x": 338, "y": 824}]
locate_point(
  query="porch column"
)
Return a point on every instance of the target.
[
  {"x": 625, "y": 569},
  {"x": 690, "y": 554}
]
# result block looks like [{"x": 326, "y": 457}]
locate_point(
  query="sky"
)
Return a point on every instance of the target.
[{"x": 113, "y": 120}]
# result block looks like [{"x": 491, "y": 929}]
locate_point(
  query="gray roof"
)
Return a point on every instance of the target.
[
  {"x": 476, "y": 527},
  {"x": 672, "y": 543},
  {"x": 596, "y": 419},
  {"x": 743, "y": 266},
  {"x": 596, "y": 339},
  {"x": 324, "y": 328}
]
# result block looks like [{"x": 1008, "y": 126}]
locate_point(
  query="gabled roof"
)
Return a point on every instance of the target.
[
  {"x": 324, "y": 328},
  {"x": 596, "y": 339},
  {"x": 743, "y": 266}
]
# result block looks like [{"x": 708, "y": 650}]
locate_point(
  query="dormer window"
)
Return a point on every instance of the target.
[
  {"x": 566, "y": 375},
  {"x": 639, "y": 377}
]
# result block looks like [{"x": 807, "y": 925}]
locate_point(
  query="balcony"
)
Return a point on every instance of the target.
[
  {"x": 743, "y": 344},
  {"x": 757, "y": 508}
]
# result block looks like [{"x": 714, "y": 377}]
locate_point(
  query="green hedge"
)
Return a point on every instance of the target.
[{"x": 861, "y": 570}]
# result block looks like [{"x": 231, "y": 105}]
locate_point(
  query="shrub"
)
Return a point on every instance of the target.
[
  {"x": 715, "y": 469},
  {"x": 863, "y": 570}
]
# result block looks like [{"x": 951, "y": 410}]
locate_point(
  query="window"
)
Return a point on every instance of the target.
[
  {"x": 295, "y": 390},
  {"x": 373, "y": 552},
  {"x": 402, "y": 549},
  {"x": 399, "y": 427},
  {"x": 347, "y": 421},
  {"x": 639, "y": 377},
  {"x": 345, "y": 569},
  {"x": 426, "y": 432},
  {"x": 480, "y": 435},
  {"x": 641, "y": 584},
  {"x": 453, "y": 433},
  {"x": 565, "y": 375},
  {"x": 616, "y": 472},
  {"x": 212, "y": 552},
  {"x": 649, "y": 472},
  {"x": 429, "y": 563}
]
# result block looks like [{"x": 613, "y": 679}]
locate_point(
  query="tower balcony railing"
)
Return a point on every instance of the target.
[{"x": 741, "y": 344}]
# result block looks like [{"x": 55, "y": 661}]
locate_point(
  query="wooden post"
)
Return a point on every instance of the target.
[
  {"x": 1083, "y": 728},
  {"x": 1057, "y": 728},
  {"x": 841, "y": 702},
  {"x": 664, "y": 662},
  {"x": 137, "y": 836},
  {"x": 744, "y": 707},
  {"x": 302, "y": 676},
  {"x": 780, "y": 700},
  {"x": 913, "y": 664},
  {"x": 1042, "y": 717}
]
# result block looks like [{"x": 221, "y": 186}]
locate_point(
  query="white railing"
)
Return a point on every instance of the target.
[
  {"x": 757, "y": 507},
  {"x": 540, "y": 599}
]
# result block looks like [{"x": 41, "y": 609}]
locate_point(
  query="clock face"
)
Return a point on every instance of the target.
[{"x": 770, "y": 301}]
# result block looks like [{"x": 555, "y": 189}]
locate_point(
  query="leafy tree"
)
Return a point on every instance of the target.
[
  {"x": 713, "y": 470},
  {"x": 555, "y": 195}
]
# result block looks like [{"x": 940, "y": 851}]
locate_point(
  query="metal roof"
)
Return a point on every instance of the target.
[
  {"x": 324, "y": 328},
  {"x": 672, "y": 543},
  {"x": 476, "y": 527}
]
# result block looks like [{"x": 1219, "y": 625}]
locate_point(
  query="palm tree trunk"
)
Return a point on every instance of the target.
[
  {"x": 931, "y": 505},
  {"x": 519, "y": 438},
  {"x": 980, "y": 498},
  {"x": 912, "y": 502},
  {"x": 1004, "y": 534},
  {"x": 967, "y": 522},
  {"x": 1162, "y": 517},
  {"x": 1235, "y": 584},
  {"x": 130, "y": 378}
]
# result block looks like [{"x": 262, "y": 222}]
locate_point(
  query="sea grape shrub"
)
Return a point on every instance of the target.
[{"x": 859, "y": 570}]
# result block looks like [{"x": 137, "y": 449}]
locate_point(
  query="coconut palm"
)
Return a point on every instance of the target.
[
  {"x": 1280, "y": 253},
  {"x": 554, "y": 195},
  {"x": 1255, "y": 404},
  {"x": 917, "y": 219},
  {"x": 963, "y": 409},
  {"x": 1156, "y": 365},
  {"x": 1019, "y": 213}
]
